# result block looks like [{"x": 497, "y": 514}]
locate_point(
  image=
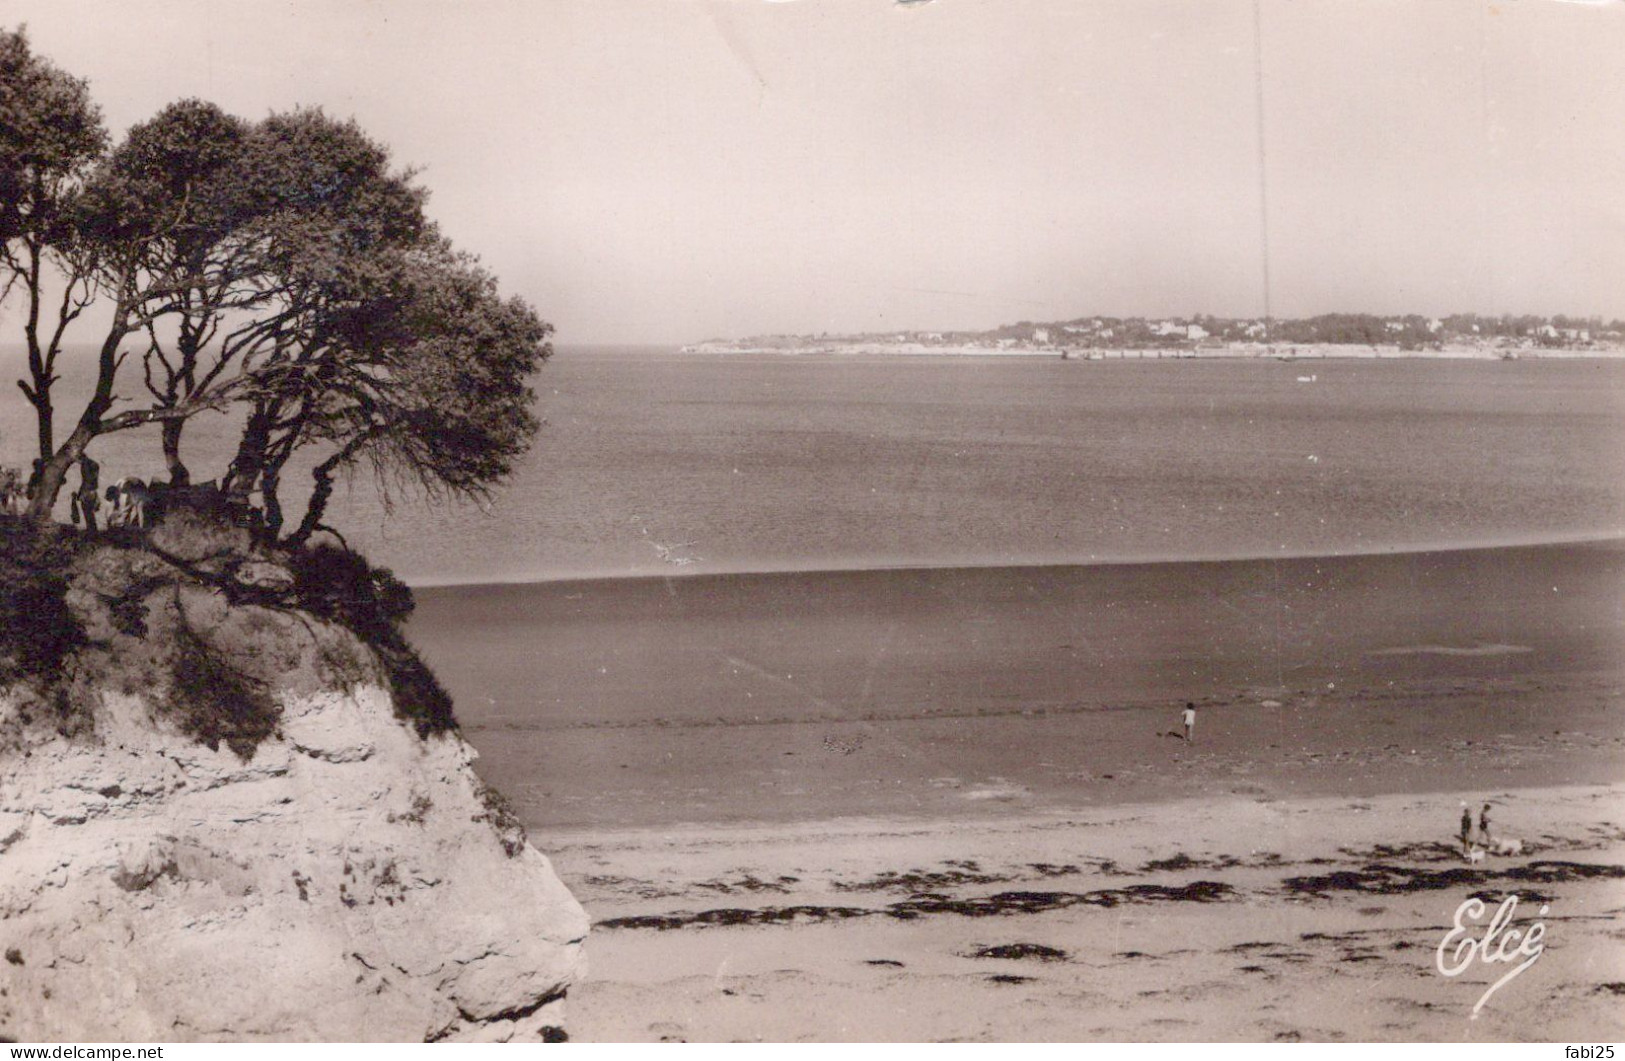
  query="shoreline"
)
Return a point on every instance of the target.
[
  {"x": 937, "y": 693},
  {"x": 861, "y": 831},
  {"x": 434, "y": 586}
]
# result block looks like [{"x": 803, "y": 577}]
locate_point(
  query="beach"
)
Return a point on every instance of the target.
[
  {"x": 852, "y": 741},
  {"x": 1227, "y": 919}
]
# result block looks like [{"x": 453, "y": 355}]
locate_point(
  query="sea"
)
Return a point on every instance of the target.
[{"x": 651, "y": 461}]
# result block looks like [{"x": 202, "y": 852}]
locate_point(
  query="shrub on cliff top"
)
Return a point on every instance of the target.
[
  {"x": 214, "y": 701},
  {"x": 338, "y": 584},
  {"x": 79, "y": 616},
  {"x": 38, "y": 631}
]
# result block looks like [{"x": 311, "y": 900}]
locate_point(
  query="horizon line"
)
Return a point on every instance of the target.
[{"x": 1589, "y": 539}]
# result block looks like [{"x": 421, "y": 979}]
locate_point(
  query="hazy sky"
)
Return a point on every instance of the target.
[{"x": 670, "y": 170}]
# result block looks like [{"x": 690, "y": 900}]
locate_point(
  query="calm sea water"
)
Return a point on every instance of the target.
[{"x": 653, "y": 461}]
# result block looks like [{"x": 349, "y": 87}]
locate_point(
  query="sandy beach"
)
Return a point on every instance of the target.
[
  {"x": 950, "y": 803},
  {"x": 1227, "y": 919}
]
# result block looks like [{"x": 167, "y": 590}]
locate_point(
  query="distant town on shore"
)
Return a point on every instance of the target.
[{"x": 1328, "y": 335}]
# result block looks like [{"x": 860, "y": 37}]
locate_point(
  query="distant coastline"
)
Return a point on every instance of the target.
[
  {"x": 1281, "y": 352},
  {"x": 1360, "y": 336}
]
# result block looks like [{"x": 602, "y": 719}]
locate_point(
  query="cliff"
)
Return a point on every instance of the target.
[{"x": 217, "y": 822}]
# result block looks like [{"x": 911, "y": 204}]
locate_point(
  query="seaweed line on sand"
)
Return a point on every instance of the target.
[
  {"x": 1377, "y": 879},
  {"x": 916, "y": 906},
  {"x": 1381, "y": 878}
]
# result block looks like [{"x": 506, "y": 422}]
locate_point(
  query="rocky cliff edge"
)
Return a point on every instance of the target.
[{"x": 216, "y": 824}]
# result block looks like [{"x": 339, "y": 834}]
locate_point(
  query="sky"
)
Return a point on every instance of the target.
[{"x": 665, "y": 171}]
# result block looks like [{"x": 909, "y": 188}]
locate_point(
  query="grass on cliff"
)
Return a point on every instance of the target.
[
  {"x": 215, "y": 701},
  {"x": 167, "y": 614},
  {"x": 38, "y": 631}
]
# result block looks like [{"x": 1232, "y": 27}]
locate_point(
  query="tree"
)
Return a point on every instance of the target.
[
  {"x": 256, "y": 245},
  {"x": 138, "y": 233},
  {"x": 183, "y": 193},
  {"x": 50, "y": 136},
  {"x": 282, "y": 267},
  {"x": 379, "y": 342},
  {"x": 445, "y": 406}
]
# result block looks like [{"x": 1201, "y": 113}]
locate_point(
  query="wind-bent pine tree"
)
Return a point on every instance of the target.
[{"x": 280, "y": 267}]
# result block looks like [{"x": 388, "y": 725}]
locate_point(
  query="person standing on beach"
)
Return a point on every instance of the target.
[
  {"x": 1466, "y": 828},
  {"x": 1190, "y": 722},
  {"x": 1484, "y": 826}
]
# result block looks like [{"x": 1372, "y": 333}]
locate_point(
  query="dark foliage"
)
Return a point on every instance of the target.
[
  {"x": 45, "y": 644},
  {"x": 284, "y": 268},
  {"x": 371, "y": 602},
  {"x": 205, "y": 503},
  {"x": 338, "y": 584},
  {"x": 37, "y": 629},
  {"x": 215, "y": 702},
  {"x": 417, "y": 693}
]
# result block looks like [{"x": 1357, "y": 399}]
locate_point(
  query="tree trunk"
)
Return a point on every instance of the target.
[
  {"x": 53, "y": 471},
  {"x": 318, "y": 506},
  {"x": 47, "y": 433},
  {"x": 178, "y": 475},
  {"x": 269, "y": 481},
  {"x": 182, "y": 386},
  {"x": 249, "y": 463},
  {"x": 39, "y": 395},
  {"x": 43, "y": 417},
  {"x": 324, "y": 474}
]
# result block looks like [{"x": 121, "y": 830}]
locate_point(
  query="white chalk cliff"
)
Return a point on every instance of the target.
[{"x": 350, "y": 879}]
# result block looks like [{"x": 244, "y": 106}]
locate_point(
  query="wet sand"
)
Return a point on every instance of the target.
[
  {"x": 936, "y": 693},
  {"x": 932, "y": 804}
]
